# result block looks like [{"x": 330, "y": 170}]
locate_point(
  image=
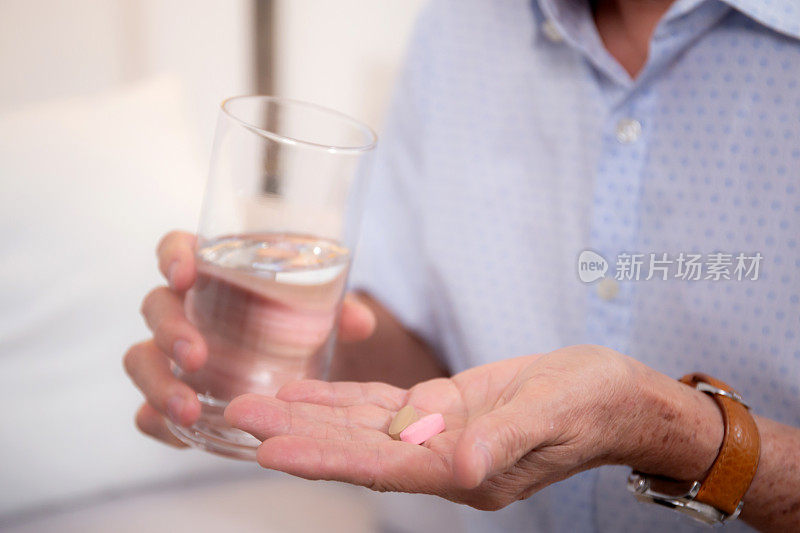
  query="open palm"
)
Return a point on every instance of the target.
[{"x": 337, "y": 431}]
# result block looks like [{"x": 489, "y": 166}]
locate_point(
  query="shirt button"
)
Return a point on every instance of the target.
[
  {"x": 607, "y": 289},
  {"x": 551, "y": 32},
  {"x": 628, "y": 130}
]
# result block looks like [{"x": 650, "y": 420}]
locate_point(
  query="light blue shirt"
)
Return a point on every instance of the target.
[{"x": 516, "y": 142}]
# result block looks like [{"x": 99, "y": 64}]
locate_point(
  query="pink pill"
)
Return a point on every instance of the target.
[{"x": 423, "y": 429}]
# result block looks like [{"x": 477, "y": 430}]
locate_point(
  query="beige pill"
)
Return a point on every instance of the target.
[{"x": 405, "y": 416}]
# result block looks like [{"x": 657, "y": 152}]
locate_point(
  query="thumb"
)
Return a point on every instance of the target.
[
  {"x": 357, "y": 321},
  {"x": 494, "y": 442}
]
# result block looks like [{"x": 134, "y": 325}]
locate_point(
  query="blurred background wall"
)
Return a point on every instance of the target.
[
  {"x": 344, "y": 54},
  {"x": 68, "y": 48},
  {"x": 107, "y": 112}
]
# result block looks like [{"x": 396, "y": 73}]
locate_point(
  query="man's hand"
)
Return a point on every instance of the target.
[
  {"x": 513, "y": 427},
  {"x": 176, "y": 339}
]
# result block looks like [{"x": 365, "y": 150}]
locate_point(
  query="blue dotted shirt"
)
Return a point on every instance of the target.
[{"x": 516, "y": 142}]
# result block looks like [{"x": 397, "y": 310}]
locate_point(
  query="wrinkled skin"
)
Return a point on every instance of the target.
[{"x": 513, "y": 427}]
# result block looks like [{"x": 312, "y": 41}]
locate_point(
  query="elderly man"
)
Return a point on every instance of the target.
[{"x": 657, "y": 139}]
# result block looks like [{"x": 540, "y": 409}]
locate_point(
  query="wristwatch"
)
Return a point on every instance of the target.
[{"x": 719, "y": 497}]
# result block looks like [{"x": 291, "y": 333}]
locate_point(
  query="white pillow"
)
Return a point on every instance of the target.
[{"x": 87, "y": 187}]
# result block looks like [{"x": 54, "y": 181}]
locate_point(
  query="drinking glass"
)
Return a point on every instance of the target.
[{"x": 276, "y": 236}]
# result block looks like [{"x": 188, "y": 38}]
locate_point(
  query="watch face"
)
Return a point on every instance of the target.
[
  {"x": 697, "y": 511},
  {"x": 669, "y": 487},
  {"x": 708, "y": 515},
  {"x": 675, "y": 496}
]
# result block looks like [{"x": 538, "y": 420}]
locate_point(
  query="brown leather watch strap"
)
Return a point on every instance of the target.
[{"x": 735, "y": 466}]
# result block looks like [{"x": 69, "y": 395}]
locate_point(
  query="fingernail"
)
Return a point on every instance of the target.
[
  {"x": 172, "y": 273},
  {"x": 175, "y": 408},
  {"x": 181, "y": 350}
]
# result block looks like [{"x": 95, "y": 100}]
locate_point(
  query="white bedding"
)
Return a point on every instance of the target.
[{"x": 87, "y": 186}]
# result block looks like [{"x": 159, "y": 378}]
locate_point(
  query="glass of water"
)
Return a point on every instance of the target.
[{"x": 276, "y": 236}]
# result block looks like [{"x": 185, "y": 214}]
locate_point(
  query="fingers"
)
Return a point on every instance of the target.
[
  {"x": 492, "y": 443},
  {"x": 357, "y": 321},
  {"x": 150, "y": 422},
  {"x": 176, "y": 259},
  {"x": 386, "y": 465},
  {"x": 266, "y": 417},
  {"x": 150, "y": 372},
  {"x": 172, "y": 332},
  {"x": 344, "y": 394}
]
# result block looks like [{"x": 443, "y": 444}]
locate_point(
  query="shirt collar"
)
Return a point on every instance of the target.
[
  {"x": 572, "y": 19},
  {"x": 782, "y": 16}
]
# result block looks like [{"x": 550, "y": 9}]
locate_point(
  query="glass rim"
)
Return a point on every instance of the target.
[{"x": 372, "y": 137}]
